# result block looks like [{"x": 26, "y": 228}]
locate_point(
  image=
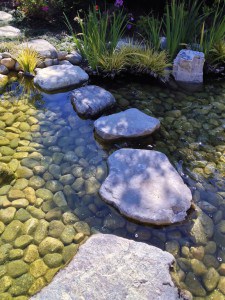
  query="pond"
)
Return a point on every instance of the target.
[{"x": 60, "y": 165}]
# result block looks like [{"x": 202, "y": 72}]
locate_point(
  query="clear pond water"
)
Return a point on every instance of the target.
[{"x": 60, "y": 165}]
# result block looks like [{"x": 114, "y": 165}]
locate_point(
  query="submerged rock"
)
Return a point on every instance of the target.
[
  {"x": 144, "y": 186},
  {"x": 102, "y": 269},
  {"x": 6, "y": 174},
  {"x": 60, "y": 77},
  {"x": 91, "y": 100},
  {"x": 130, "y": 123}
]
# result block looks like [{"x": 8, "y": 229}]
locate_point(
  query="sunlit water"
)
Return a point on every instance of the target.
[{"x": 63, "y": 154}]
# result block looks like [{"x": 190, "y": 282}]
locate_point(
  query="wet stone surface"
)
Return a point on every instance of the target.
[{"x": 60, "y": 166}]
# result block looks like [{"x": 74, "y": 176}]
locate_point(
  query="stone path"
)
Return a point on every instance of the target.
[
  {"x": 60, "y": 77},
  {"x": 111, "y": 267},
  {"x": 91, "y": 100},
  {"x": 130, "y": 123},
  {"x": 144, "y": 186}
]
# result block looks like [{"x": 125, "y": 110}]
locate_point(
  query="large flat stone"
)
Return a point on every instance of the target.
[
  {"x": 130, "y": 123},
  {"x": 144, "y": 186},
  {"x": 114, "y": 268},
  {"x": 91, "y": 100},
  {"x": 43, "y": 47},
  {"x": 5, "y": 17},
  {"x": 9, "y": 32},
  {"x": 60, "y": 77}
]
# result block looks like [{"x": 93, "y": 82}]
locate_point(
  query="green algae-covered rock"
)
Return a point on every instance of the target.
[
  {"x": 68, "y": 234},
  {"x": 69, "y": 218},
  {"x": 53, "y": 260},
  {"x": 37, "y": 286},
  {"x": 7, "y": 151},
  {"x": 5, "y": 189},
  {"x": 7, "y": 214},
  {"x": 20, "y": 203},
  {"x": 21, "y": 285},
  {"x": 22, "y": 215},
  {"x": 82, "y": 227},
  {"x": 55, "y": 228},
  {"x": 6, "y": 174},
  {"x": 38, "y": 268},
  {"x": 24, "y": 172},
  {"x": 5, "y": 283},
  {"x": 2, "y": 227},
  {"x": 15, "y": 194},
  {"x": 36, "y": 212},
  {"x": 50, "y": 245},
  {"x": 54, "y": 214},
  {"x": 69, "y": 252},
  {"x": 23, "y": 241},
  {"x": 17, "y": 268},
  {"x": 30, "y": 226},
  {"x": 31, "y": 254},
  {"x": 4, "y": 252},
  {"x": 6, "y": 296},
  {"x": 211, "y": 279},
  {"x": 50, "y": 274},
  {"x": 21, "y": 184},
  {"x": 41, "y": 231},
  {"x": 15, "y": 254},
  {"x": 12, "y": 231},
  {"x": 44, "y": 194}
]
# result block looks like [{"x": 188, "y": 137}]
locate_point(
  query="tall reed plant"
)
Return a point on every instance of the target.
[
  {"x": 181, "y": 24},
  {"x": 214, "y": 35},
  {"x": 100, "y": 33}
]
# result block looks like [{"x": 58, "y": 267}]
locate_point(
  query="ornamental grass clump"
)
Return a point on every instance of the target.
[
  {"x": 100, "y": 33},
  {"x": 28, "y": 58}
]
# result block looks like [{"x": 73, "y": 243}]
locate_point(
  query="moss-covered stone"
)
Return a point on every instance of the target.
[
  {"x": 41, "y": 231},
  {"x": 55, "y": 228},
  {"x": 30, "y": 226},
  {"x": 7, "y": 214},
  {"x": 20, "y": 203},
  {"x": 22, "y": 215},
  {"x": 69, "y": 218},
  {"x": 12, "y": 231},
  {"x": 6, "y": 151},
  {"x": 37, "y": 286},
  {"x": 53, "y": 260},
  {"x": 5, "y": 283},
  {"x": 2, "y": 227},
  {"x": 50, "y": 245},
  {"x": 82, "y": 227},
  {"x": 44, "y": 194},
  {"x": 54, "y": 214},
  {"x": 31, "y": 254},
  {"x": 23, "y": 241},
  {"x": 3, "y": 270},
  {"x": 21, "y": 184},
  {"x": 38, "y": 268},
  {"x": 50, "y": 274},
  {"x": 5, "y": 189},
  {"x": 17, "y": 268},
  {"x": 69, "y": 252},
  {"x": 15, "y": 194},
  {"x": 6, "y": 174},
  {"x": 4, "y": 252},
  {"x": 21, "y": 285},
  {"x": 30, "y": 194},
  {"x": 36, "y": 212},
  {"x": 15, "y": 254},
  {"x": 24, "y": 172}
]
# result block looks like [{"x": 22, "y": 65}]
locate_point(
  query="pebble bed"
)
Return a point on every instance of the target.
[{"x": 53, "y": 205}]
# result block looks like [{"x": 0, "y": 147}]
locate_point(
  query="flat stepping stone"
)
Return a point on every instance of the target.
[
  {"x": 5, "y": 18},
  {"x": 60, "y": 77},
  {"x": 91, "y": 100},
  {"x": 43, "y": 47},
  {"x": 111, "y": 267},
  {"x": 144, "y": 186},
  {"x": 131, "y": 123},
  {"x": 9, "y": 32}
]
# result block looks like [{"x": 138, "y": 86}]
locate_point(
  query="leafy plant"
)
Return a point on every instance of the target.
[
  {"x": 100, "y": 33},
  {"x": 217, "y": 53},
  {"x": 151, "y": 28},
  {"x": 180, "y": 25},
  {"x": 215, "y": 34},
  {"x": 28, "y": 58}
]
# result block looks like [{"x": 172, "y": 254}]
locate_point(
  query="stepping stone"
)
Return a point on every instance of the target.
[
  {"x": 9, "y": 32},
  {"x": 91, "y": 100},
  {"x": 111, "y": 267},
  {"x": 144, "y": 186},
  {"x": 131, "y": 123},
  {"x": 43, "y": 47},
  {"x": 60, "y": 77},
  {"x": 5, "y": 18}
]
